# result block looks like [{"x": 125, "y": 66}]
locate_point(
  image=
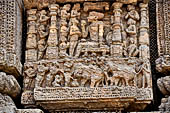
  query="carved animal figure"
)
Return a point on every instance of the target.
[
  {"x": 123, "y": 77},
  {"x": 126, "y": 76},
  {"x": 89, "y": 73}
]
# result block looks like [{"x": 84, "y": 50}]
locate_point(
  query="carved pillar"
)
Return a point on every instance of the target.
[
  {"x": 52, "y": 42},
  {"x": 144, "y": 52},
  {"x": 31, "y": 43},
  {"x": 116, "y": 47},
  {"x": 32, "y": 47}
]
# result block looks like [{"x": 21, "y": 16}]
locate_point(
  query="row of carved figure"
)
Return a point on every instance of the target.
[
  {"x": 88, "y": 75},
  {"x": 65, "y": 31}
]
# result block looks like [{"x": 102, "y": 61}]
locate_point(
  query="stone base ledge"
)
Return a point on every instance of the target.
[
  {"x": 83, "y": 93},
  {"x": 100, "y": 98},
  {"x": 29, "y": 111}
]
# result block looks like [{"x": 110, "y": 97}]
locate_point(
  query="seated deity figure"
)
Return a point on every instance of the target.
[
  {"x": 63, "y": 49},
  {"x": 132, "y": 50},
  {"x": 57, "y": 81}
]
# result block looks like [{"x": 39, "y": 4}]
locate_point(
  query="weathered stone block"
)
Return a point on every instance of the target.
[
  {"x": 11, "y": 36},
  {"x": 7, "y": 105},
  {"x": 9, "y": 85}
]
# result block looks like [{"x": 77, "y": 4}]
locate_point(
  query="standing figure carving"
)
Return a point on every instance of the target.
[
  {"x": 84, "y": 28},
  {"x": 74, "y": 29},
  {"x": 40, "y": 78},
  {"x": 43, "y": 33},
  {"x": 144, "y": 74},
  {"x": 64, "y": 30},
  {"x": 29, "y": 75},
  {"x": 132, "y": 17},
  {"x": 132, "y": 49},
  {"x": 50, "y": 77}
]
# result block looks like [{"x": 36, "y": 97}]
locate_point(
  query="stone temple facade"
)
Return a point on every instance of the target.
[{"x": 84, "y": 56}]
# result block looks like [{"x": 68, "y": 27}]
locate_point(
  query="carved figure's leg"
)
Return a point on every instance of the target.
[{"x": 72, "y": 47}]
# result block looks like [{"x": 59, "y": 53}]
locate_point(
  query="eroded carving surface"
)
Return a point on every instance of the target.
[
  {"x": 9, "y": 85},
  {"x": 7, "y": 105}
]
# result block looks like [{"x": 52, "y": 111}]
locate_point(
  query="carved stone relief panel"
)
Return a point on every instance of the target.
[
  {"x": 10, "y": 36},
  {"x": 163, "y": 62},
  {"x": 163, "y": 36},
  {"x": 87, "y": 53}
]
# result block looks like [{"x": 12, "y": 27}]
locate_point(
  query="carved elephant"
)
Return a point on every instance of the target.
[
  {"x": 89, "y": 73},
  {"x": 124, "y": 77},
  {"x": 121, "y": 74}
]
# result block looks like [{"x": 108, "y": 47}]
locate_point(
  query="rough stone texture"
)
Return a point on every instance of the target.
[
  {"x": 9, "y": 85},
  {"x": 163, "y": 62},
  {"x": 94, "y": 55},
  {"x": 10, "y": 36},
  {"x": 164, "y": 85},
  {"x": 6, "y": 104},
  {"x": 29, "y": 111}
]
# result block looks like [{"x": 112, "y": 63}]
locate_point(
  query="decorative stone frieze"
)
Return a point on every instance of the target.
[{"x": 92, "y": 55}]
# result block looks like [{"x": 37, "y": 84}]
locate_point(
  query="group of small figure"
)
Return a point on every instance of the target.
[
  {"x": 99, "y": 73},
  {"x": 73, "y": 35}
]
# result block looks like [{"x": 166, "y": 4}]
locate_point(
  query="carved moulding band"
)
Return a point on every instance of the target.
[
  {"x": 44, "y": 3},
  {"x": 92, "y": 98},
  {"x": 114, "y": 92}
]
